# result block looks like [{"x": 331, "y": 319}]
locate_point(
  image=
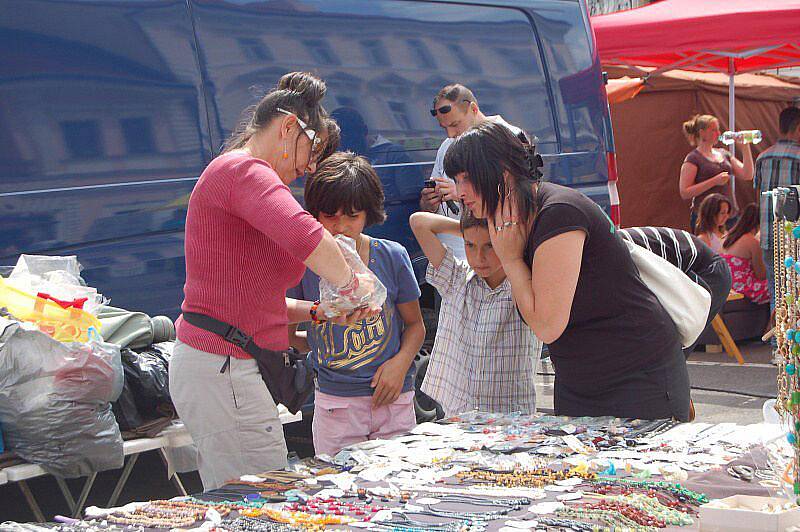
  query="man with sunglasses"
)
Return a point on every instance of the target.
[{"x": 456, "y": 109}]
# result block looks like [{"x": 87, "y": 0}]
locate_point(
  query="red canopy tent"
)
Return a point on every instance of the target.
[{"x": 729, "y": 36}]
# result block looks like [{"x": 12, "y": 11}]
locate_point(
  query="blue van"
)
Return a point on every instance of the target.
[{"x": 110, "y": 109}]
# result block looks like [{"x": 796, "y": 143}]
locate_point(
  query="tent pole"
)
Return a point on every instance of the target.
[{"x": 732, "y": 122}]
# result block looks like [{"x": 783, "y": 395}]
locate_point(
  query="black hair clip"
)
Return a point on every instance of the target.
[{"x": 532, "y": 157}]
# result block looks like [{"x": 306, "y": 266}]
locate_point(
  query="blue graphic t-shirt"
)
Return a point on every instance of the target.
[{"x": 346, "y": 358}]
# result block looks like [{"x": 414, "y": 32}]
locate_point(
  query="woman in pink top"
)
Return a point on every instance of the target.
[
  {"x": 742, "y": 251},
  {"x": 247, "y": 242}
]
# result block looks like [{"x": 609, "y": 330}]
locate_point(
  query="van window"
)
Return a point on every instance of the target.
[
  {"x": 387, "y": 59},
  {"x": 101, "y": 140},
  {"x": 383, "y": 62}
]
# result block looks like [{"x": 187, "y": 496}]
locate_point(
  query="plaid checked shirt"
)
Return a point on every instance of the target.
[
  {"x": 778, "y": 166},
  {"x": 484, "y": 356}
]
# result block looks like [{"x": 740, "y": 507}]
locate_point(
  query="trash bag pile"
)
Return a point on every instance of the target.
[{"x": 75, "y": 371}]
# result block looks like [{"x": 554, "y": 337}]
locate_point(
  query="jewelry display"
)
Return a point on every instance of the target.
[
  {"x": 468, "y": 476},
  {"x": 786, "y": 236}
]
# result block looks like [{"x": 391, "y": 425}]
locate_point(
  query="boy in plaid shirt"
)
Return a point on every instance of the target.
[{"x": 484, "y": 356}]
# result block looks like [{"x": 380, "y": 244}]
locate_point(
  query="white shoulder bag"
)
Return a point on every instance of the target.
[{"x": 686, "y": 302}]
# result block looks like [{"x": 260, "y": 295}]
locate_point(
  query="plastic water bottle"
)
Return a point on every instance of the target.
[{"x": 750, "y": 136}]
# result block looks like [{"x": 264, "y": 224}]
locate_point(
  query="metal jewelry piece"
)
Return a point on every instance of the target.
[
  {"x": 509, "y": 224},
  {"x": 742, "y": 472}
]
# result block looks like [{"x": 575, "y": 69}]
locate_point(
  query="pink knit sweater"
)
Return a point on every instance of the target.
[{"x": 246, "y": 240}]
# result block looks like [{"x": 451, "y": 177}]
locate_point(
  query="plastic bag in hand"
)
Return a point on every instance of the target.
[{"x": 370, "y": 292}]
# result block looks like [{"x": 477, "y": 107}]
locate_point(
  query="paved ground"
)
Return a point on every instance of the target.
[{"x": 709, "y": 370}]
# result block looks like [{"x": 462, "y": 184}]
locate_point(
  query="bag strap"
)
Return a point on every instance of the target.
[{"x": 228, "y": 332}]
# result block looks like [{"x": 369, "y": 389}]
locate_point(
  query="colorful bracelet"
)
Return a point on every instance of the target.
[{"x": 313, "y": 312}]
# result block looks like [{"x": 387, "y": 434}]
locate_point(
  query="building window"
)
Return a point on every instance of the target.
[
  {"x": 520, "y": 61},
  {"x": 400, "y": 114},
  {"x": 82, "y": 138},
  {"x": 138, "y": 135},
  {"x": 254, "y": 50},
  {"x": 322, "y": 52},
  {"x": 421, "y": 53},
  {"x": 467, "y": 61},
  {"x": 376, "y": 52}
]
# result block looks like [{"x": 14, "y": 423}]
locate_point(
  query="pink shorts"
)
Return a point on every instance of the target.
[{"x": 342, "y": 421}]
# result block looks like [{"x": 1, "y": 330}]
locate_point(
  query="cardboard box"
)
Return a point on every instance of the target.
[{"x": 743, "y": 514}]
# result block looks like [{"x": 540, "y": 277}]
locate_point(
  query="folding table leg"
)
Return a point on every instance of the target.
[
  {"x": 31, "y": 500},
  {"x": 66, "y": 492},
  {"x": 123, "y": 479},
  {"x": 176, "y": 480},
  {"x": 87, "y": 487}
]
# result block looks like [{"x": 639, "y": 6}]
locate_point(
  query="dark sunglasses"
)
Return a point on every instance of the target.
[{"x": 443, "y": 110}]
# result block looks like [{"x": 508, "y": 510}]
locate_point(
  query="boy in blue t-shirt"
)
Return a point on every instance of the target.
[{"x": 365, "y": 375}]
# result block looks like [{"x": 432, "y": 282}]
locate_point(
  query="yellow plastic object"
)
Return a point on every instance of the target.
[{"x": 63, "y": 324}]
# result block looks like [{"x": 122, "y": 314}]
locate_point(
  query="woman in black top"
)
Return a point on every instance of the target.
[{"x": 614, "y": 348}]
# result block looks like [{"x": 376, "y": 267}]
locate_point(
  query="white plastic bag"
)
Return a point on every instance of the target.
[
  {"x": 370, "y": 293},
  {"x": 59, "y": 277}
]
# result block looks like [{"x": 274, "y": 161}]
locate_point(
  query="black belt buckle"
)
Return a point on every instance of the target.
[{"x": 237, "y": 337}]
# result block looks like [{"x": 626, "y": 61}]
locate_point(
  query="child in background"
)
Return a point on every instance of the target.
[
  {"x": 365, "y": 373},
  {"x": 713, "y": 215},
  {"x": 484, "y": 356}
]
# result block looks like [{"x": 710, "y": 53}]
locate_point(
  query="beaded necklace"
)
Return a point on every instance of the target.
[
  {"x": 681, "y": 493},
  {"x": 652, "y": 507},
  {"x": 359, "y": 510},
  {"x": 403, "y": 523},
  {"x": 251, "y": 524},
  {"x": 535, "y": 478},
  {"x": 666, "y": 498},
  {"x": 165, "y": 514},
  {"x": 629, "y": 512},
  {"x": 303, "y": 519},
  {"x": 616, "y": 521}
]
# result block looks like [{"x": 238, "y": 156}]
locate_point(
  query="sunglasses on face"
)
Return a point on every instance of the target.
[
  {"x": 316, "y": 141},
  {"x": 443, "y": 110}
]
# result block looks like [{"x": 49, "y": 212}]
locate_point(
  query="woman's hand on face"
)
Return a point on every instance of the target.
[{"x": 507, "y": 235}]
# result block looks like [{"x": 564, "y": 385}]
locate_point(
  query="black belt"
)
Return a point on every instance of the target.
[{"x": 231, "y": 334}]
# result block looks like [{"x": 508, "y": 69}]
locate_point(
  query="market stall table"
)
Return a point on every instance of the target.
[{"x": 549, "y": 469}]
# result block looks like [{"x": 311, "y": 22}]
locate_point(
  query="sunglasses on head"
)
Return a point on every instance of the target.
[
  {"x": 443, "y": 110},
  {"x": 316, "y": 141}
]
